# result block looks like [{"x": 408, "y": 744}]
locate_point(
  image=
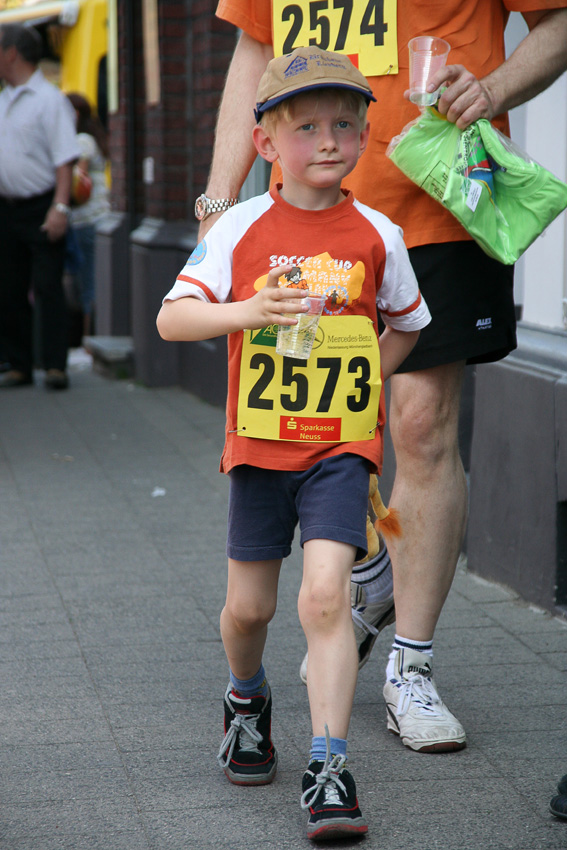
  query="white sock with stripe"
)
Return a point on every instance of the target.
[
  {"x": 375, "y": 576},
  {"x": 425, "y": 646}
]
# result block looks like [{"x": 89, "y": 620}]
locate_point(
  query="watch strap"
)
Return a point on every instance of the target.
[
  {"x": 214, "y": 206},
  {"x": 206, "y": 206}
]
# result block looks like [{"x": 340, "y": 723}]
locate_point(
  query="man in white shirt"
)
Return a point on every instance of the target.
[{"x": 37, "y": 151}]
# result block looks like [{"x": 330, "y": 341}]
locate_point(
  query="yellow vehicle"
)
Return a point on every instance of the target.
[{"x": 75, "y": 38}]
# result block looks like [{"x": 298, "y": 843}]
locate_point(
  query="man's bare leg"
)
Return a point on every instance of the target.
[{"x": 430, "y": 494}]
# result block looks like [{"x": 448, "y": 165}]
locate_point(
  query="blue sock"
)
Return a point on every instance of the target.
[
  {"x": 319, "y": 747},
  {"x": 256, "y": 686}
]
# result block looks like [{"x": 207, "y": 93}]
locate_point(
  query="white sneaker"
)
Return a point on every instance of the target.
[
  {"x": 368, "y": 622},
  {"x": 415, "y": 710}
]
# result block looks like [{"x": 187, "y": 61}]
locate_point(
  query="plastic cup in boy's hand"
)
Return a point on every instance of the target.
[
  {"x": 426, "y": 55},
  {"x": 297, "y": 340}
]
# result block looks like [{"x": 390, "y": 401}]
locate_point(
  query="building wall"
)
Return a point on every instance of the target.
[
  {"x": 161, "y": 154},
  {"x": 518, "y": 503},
  {"x": 540, "y": 128},
  {"x": 545, "y": 262},
  {"x": 172, "y": 139}
]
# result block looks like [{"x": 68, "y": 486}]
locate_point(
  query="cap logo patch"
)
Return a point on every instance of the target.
[{"x": 298, "y": 66}]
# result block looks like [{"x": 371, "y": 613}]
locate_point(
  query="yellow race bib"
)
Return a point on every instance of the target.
[
  {"x": 366, "y": 30},
  {"x": 332, "y": 397}
]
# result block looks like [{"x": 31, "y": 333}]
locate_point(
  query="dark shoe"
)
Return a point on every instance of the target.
[
  {"x": 562, "y": 785},
  {"x": 55, "y": 379},
  {"x": 14, "y": 378},
  {"x": 247, "y": 754},
  {"x": 329, "y": 793},
  {"x": 558, "y": 806}
]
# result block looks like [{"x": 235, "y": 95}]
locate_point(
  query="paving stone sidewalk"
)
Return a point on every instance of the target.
[{"x": 112, "y": 541}]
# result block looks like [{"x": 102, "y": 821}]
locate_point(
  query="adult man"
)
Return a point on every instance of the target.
[
  {"x": 459, "y": 283},
  {"x": 37, "y": 141}
]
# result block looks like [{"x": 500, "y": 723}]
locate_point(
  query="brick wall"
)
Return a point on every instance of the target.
[
  {"x": 178, "y": 133},
  {"x": 213, "y": 45}
]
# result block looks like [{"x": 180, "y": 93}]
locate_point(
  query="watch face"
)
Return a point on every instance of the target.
[{"x": 200, "y": 207}]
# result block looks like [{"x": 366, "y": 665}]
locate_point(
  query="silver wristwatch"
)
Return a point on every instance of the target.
[{"x": 205, "y": 206}]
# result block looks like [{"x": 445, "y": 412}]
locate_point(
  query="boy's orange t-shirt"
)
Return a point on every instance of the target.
[
  {"x": 475, "y": 31},
  {"x": 353, "y": 256}
]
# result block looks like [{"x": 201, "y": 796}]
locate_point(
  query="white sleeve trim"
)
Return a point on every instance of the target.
[
  {"x": 399, "y": 290},
  {"x": 209, "y": 268}
]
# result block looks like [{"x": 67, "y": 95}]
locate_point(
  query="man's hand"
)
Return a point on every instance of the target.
[
  {"x": 55, "y": 224},
  {"x": 538, "y": 60},
  {"x": 465, "y": 99},
  {"x": 272, "y": 302}
]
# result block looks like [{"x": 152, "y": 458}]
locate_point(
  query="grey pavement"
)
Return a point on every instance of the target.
[{"x": 112, "y": 527}]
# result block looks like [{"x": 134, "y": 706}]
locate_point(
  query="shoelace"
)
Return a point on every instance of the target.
[
  {"x": 328, "y": 780},
  {"x": 244, "y": 727},
  {"x": 419, "y": 690},
  {"x": 361, "y": 622}
]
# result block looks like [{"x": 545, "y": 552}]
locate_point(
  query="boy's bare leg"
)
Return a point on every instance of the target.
[
  {"x": 247, "y": 754},
  {"x": 251, "y": 599},
  {"x": 324, "y": 611}
]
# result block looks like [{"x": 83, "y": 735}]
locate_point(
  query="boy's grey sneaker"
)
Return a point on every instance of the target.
[
  {"x": 368, "y": 622},
  {"x": 329, "y": 794},
  {"x": 247, "y": 754},
  {"x": 415, "y": 710}
]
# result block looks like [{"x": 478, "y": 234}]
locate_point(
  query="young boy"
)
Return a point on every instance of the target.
[{"x": 301, "y": 435}]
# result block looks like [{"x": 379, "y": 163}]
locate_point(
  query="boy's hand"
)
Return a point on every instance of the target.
[{"x": 270, "y": 304}]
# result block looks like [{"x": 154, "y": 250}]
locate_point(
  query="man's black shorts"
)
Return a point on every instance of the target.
[{"x": 471, "y": 300}]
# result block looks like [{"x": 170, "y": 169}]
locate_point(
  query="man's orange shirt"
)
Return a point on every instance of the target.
[{"x": 475, "y": 31}]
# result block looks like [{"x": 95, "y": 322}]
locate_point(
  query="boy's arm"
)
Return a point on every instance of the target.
[
  {"x": 394, "y": 348},
  {"x": 187, "y": 319}
]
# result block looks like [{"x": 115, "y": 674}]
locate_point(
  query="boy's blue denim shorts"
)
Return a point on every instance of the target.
[{"x": 329, "y": 501}]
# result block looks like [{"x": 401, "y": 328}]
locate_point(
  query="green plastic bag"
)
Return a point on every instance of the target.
[{"x": 501, "y": 196}]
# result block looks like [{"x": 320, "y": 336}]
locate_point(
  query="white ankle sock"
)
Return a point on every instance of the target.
[{"x": 425, "y": 646}]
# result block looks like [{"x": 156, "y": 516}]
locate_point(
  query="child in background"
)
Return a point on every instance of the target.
[{"x": 301, "y": 436}]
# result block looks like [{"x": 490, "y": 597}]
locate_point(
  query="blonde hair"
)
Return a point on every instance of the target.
[{"x": 344, "y": 98}]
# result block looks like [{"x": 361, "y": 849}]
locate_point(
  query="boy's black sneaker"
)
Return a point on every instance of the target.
[
  {"x": 247, "y": 754},
  {"x": 329, "y": 793}
]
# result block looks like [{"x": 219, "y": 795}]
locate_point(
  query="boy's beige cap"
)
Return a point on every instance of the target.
[{"x": 306, "y": 69}]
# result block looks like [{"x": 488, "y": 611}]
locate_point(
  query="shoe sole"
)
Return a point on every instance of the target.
[
  {"x": 556, "y": 812},
  {"x": 252, "y": 779},
  {"x": 450, "y": 746},
  {"x": 336, "y": 829}
]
